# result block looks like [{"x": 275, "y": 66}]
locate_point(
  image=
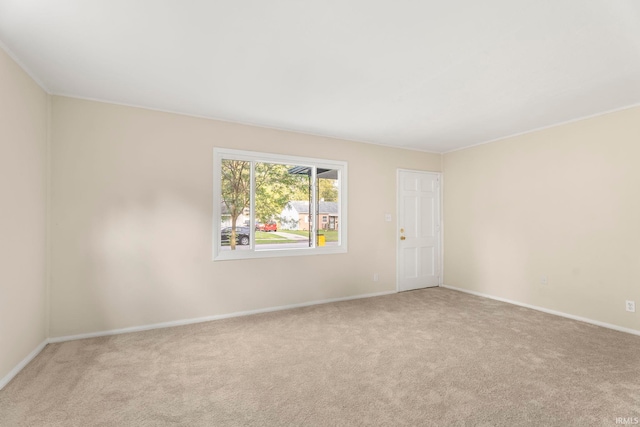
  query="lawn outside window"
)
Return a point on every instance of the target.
[{"x": 295, "y": 195}]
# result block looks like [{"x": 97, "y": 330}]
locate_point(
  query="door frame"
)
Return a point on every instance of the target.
[{"x": 397, "y": 230}]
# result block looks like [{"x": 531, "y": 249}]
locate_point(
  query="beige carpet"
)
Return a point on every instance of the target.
[{"x": 429, "y": 357}]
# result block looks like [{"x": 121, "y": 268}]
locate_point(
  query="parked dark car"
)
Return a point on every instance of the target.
[{"x": 242, "y": 235}]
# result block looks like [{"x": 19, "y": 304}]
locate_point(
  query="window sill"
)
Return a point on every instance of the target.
[{"x": 274, "y": 253}]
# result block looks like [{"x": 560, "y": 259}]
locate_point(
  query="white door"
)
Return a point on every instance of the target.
[{"x": 418, "y": 230}]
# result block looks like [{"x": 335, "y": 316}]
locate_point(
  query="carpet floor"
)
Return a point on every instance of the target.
[{"x": 428, "y": 357}]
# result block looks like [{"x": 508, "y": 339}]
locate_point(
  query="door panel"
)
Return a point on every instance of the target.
[
  {"x": 428, "y": 217},
  {"x": 418, "y": 230},
  {"x": 411, "y": 263},
  {"x": 411, "y": 216},
  {"x": 428, "y": 261}
]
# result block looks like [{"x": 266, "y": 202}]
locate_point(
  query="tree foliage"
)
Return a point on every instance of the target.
[
  {"x": 327, "y": 191},
  {"x": 236, "y": 188},
  {"x": 275, "y": 186}
]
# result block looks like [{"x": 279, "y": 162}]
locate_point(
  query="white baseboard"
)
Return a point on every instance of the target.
[
  {"x": 546, "y": 310},
  {"x": 210, "y": 318},
  {"x": 4, "y": 381}
]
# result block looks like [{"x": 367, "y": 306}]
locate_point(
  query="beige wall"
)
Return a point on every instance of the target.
[
  {"x": 132, "y": 220},
  {"x": 23, "y": 136},
  {"x": 562, "y": 202}
]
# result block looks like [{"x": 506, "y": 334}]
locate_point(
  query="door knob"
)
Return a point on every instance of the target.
[{"x": 402, "y": 238}]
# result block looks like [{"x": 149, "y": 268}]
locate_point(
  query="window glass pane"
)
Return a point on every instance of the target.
[
  {"x": 328, "y": 210},
  {"x": 282, "y": 206},
  {"x": 235, "y": 205}
]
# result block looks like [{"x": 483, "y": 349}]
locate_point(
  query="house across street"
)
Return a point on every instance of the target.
[{"x": 295, "y": 216}]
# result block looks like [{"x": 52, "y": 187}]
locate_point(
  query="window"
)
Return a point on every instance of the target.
[{"x": 269, "y": 205}]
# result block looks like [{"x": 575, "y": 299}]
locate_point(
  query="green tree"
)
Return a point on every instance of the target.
[
  {"x": 275, "y": 186},
  {"x": 236, "y": 187},
  {"x": 327, "y": 190}
]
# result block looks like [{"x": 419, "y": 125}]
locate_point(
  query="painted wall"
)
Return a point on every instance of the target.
[
  {"x": 23, "y": 137},
  {"x": 132, "y": 220},
  {"x": 563, "y": 203}
]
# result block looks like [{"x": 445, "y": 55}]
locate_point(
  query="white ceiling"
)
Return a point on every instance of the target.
[{"x": 426, "y": 75}]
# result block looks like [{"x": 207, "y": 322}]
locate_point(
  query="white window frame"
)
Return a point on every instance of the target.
[{"x": 224, "y": 153}]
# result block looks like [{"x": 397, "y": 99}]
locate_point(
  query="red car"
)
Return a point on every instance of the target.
[{"x": 271, "y": 226}]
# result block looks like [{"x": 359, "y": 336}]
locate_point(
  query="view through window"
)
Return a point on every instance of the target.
[{"x": 268, "y": 203}]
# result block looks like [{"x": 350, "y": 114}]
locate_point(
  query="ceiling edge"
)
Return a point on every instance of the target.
[
  {"x": 17, "y": 60},
  {"x": 197, "y": 116},
  {"x": 566, "y": 122}
]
